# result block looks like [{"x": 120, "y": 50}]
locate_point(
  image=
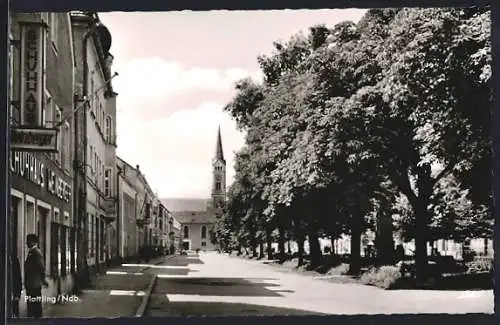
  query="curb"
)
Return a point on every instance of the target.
[{"x": 147, "y": 297}]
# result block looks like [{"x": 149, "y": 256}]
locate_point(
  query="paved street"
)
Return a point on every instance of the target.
[
  {"x": 217, "y": 284},
  {"x": 220, "y": 285}
]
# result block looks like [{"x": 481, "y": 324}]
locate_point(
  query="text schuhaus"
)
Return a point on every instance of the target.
[{"x": 27, "y": 166}]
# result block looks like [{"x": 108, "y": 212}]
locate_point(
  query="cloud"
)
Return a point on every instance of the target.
[
  {"x": 175, "y": 152},
  {"x": 144, "y": 82}
]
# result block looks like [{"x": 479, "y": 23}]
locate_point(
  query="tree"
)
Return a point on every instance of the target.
[{"x": 415, "y": 112}]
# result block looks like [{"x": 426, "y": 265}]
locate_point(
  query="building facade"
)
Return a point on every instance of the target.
[
  {"x": 41, "y": 96},
  {"x": 96, "y": 124},
  {"x": 127, "y": 211},
  {"x": 143, "y": 219}
]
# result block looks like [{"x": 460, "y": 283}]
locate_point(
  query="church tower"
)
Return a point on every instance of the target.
[{"x": 219, "y": 174}]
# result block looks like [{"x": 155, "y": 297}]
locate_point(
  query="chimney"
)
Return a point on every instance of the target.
[{"x": 137, "y": 168}]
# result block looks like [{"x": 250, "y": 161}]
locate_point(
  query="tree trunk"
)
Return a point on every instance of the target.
[
  {"x": 254, "y": 250},
  {"x": 253, "y": 240},
  {"x": 261, "y": 249},
  {"x": 422, "y": 219},
  {"x": 485, "y": 244},
  {"x": 333, "y": 250},
  {"x": 269, "y": 244},
  {"x": 355, "y": 258},
  {"x": 384, "y": 241},
  {"x": 281, "y": 243},
  {"x": 300, "y": 244},
  {"x": 289, "y": 247},
  {"x": 314, "y": 247}
]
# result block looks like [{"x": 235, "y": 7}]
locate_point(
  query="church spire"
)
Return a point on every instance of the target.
[{"x": 219, "y": 154}]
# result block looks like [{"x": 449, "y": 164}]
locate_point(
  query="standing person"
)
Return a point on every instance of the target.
[
  {"x": 34, "y": 277},
  {"x": 17, "y": 283}
]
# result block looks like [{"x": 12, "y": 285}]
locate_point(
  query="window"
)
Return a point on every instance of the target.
[
  {"x": 58, "y": 118},
  {"x": 92, "y": 95},
  {"x": 217, "y": 186},
  {"x": 91, "y": 159},
  {"x": 103, "y": 114},
  {"x": 203, "y": 232},
  {"x": 95, "y": 162},
  {"x": 66, "y": 147},
  {"x": 54, "y": 28},
  {"x": 94, "y": 235},
  {"x": 108, "y": 129},
  {"x": 41, "y": 229},
  {"x": 107, "y": 182},
  {"x": 98, "y": 171},
  {"x": 68, "y": 250},
  {"x": 186, "y": 232},
  {"x": 47, "y": 110}
]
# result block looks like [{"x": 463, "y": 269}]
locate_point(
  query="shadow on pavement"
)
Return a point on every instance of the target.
[
  {"x": 182, "y": 309},
  {"x": 120, "y": 282},
  {"x": 215, "y": 287}
]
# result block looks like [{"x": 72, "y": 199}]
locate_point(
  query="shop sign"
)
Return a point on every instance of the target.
[
  {"x": 33, "y": 139},
  {"x": 29, "y": 167},
  {"x": 31, "y": 96}
]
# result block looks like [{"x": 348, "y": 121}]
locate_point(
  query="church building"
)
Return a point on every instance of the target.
[{"x": 197, "y": 216}]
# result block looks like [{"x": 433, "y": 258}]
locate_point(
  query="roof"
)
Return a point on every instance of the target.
[
  {"x": 219, "y": 154},
  {"x": 185, "y": 204},
  {"x": 194, "y": 217}
]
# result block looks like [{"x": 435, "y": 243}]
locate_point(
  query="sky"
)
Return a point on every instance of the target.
[{"x": 176, "y": 71}]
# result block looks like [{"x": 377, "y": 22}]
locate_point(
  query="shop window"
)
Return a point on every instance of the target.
[
  {"x": 62, "y": 251},
  {"x": 54, "y": 249},
  {"x": 102, "y": 240},
  {"x": 73, "y": 248},
  {"x": 42, "y": 231},
  {"x": 89, "y": 235}
]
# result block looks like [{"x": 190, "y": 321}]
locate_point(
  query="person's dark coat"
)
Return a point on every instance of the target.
[{"x": 34, "y": 270}]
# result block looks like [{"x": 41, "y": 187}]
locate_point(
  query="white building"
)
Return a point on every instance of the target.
[{"x": 94, "y": 75}]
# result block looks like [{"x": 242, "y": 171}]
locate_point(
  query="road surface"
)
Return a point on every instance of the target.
[{"x": 221, "y": 285}]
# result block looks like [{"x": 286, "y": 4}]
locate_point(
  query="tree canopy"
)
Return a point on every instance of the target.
[{"x": 390, "y": 114}]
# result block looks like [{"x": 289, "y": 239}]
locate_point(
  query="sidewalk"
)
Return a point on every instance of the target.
[{"x": 119, "y": 293}]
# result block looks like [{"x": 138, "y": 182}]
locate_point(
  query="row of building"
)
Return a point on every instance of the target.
[{"x": 88, "y": 207}]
